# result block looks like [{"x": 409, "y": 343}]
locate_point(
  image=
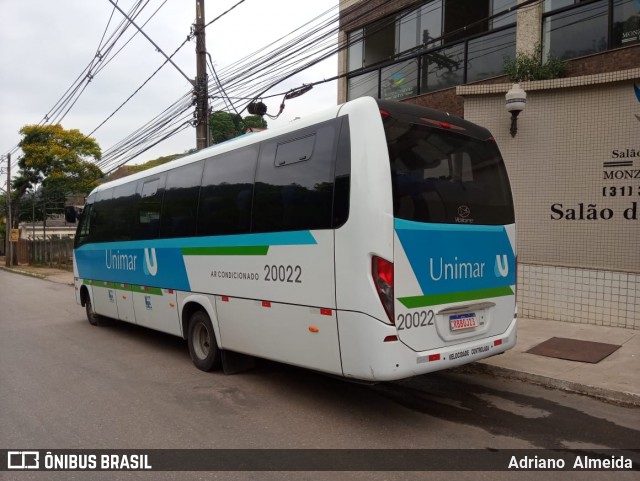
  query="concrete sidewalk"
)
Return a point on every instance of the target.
[{"x": 616, "y": 378}]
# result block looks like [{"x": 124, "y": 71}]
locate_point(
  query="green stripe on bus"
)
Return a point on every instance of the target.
[
  {"x": 226, "y": 251},
  {"x": 111, "y": 285},
  {"x": 448, "y": 298},
  {"x": 154, "y": 291}
]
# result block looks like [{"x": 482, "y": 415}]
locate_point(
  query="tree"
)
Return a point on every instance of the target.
[
  {"x": 255, "y": 122},
  {"x": 225, "y": 126},
  {"x": 57, "y": 162}
]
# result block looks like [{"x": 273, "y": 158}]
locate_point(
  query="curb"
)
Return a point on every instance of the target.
[
  {"x": 616, "y": 397},
  {"x": 33, "y": 274},
  {"x": 21, "y": 272}
]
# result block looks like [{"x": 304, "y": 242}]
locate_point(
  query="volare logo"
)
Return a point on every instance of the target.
[
  {"x": 464, "y": 211},
  {"x": 23, "y": 460},
  {"x": 463, "y": 215}
]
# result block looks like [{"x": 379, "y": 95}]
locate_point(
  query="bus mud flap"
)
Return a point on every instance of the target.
[{"x": 234, "y": 362}]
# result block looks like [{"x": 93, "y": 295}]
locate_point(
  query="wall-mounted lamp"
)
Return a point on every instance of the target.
[{"x": 516, "y": 101}]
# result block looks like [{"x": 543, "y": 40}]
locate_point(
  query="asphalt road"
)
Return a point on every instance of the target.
[{"x": 65, "y": 384}]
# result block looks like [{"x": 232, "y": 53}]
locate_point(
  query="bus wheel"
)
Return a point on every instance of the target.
[
  {"x": 202, "y": 342},
  {"x": 92, "y": 317}
]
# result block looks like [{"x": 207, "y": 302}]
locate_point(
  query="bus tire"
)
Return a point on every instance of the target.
[
  {"x": 201, "y": 339},
  {"x": 92, "y": 317}
]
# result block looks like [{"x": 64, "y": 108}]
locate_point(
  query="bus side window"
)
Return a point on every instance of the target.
[
  {"x": 297, "y": 150},
  {"x": 226, "y": 193},
  {"x": 295, "y": 180},
  {"x": 122, "y": 215},
  {"x": 84, "y": 227},
  {"x": 180, "y": 204},
  {"x": 149, "y": 203},
  {"x": 101, "y": 223},
  {"x": 342, "y": 176}
]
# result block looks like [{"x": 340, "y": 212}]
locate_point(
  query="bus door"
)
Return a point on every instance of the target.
[
  {"x": 156, "y": 308},
  {"x": 104, "y": 298},
  {"x": 124, "y": 300}
]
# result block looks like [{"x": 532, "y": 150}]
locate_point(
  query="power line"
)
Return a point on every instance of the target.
[
  {"x": 73, "y": 93},
  {"x": 311, "y": 47},
  {"x": 150, "y": 40}
]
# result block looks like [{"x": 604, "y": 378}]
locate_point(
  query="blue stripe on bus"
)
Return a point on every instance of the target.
[
  {"x": 160, "y": 262},
  {"x": 450, "y": 258},
  {"x": 271, "y": 239},
  {"x": 411, "y": 225}
]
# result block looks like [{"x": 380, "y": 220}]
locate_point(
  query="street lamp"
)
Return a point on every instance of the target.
[{"x": 516, "y": 101}]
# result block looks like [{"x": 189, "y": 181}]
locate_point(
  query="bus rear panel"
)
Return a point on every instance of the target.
[{"x": 447, "y": 285}]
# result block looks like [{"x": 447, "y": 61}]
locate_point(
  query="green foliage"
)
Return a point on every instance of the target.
[
  {"x": 225, "y": 126},
  {"x": 153, "y": 163},
  {"x": 57, "y": 160},
  {"x": 255, "y": 122},
  {"x": 525, "y": 67},
  {"x": 125, "y": 170}
]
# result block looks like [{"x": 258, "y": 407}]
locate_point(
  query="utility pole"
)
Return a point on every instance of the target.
[
  {"x": 9, "y": 251},
  {"x": 200, "y": 84}
]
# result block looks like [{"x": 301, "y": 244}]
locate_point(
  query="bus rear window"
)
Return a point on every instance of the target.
[{"x": 445, "y": 177}]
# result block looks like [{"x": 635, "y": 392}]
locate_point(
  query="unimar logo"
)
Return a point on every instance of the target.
[
  {"x": 123, "y": 261},
  {"x": 150, "y": 262},
  {"x": 441, "y": 269},
  {"x": 502, "y": 266}
]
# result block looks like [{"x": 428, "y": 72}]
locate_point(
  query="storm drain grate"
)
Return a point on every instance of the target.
[{"x": 574, "y": 350}]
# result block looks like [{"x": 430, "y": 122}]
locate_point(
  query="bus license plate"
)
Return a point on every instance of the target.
[{"x": 463, "y": 321}]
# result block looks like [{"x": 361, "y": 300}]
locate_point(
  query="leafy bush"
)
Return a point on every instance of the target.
[{"x": 526, "y": 67}]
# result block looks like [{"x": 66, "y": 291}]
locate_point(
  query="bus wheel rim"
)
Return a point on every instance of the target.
[{"x": 202, "y": 341}]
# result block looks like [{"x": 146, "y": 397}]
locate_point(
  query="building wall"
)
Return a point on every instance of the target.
[{"x": 578, "y": 215}]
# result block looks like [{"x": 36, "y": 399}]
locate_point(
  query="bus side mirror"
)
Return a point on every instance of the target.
[{"x": 70, "y": 214}]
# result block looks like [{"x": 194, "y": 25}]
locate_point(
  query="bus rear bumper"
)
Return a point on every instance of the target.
[{"x": 366, "y": 355}]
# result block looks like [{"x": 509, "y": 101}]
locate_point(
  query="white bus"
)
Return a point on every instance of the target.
[{"x": 374, "y": 240}]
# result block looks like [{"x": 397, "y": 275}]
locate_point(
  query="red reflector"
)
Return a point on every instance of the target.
[
  {"x": 497, "y": 342},
  {"x": 390, "y": 338},
  {"x": 384, "y": 114},
  {"x": 385, "y": 270},
  {"x": 434, "y": 357},
  {"x": 170, "y": 291},
  {"x": 325, "y": 312},
  {"x": 441, "y": 124},
  {"x": 266, "y": 304},
  {"x": 225, "y": 299},
  {"x": 382, "y": 273}
]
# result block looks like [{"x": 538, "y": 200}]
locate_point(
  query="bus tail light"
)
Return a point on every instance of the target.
[{"x": 382, "y": 272}]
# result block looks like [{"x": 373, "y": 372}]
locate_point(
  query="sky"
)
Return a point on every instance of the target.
[{"x": 46, "y": 44}]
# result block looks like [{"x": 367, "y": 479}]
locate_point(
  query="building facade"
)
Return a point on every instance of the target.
[{"x": 575, "y": 161}]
